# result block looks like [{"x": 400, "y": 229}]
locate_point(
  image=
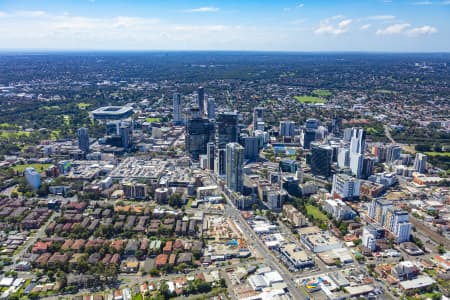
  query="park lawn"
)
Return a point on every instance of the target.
[
  {"x": 438, "y": 154},
  {"x": 11, "y": 134},
  {"x": 189, "y": 202},
  {"x": 153, "y": 120},
  {"x": 38, "y": 167},
  {"x": 7, "y": 126},
  {"x": 137, "y": 297},
  {"x": 309, "y": 99},
  {"x": 371, "y": 131},
  {"x": 83, "y": 105},
  {"x": 322, "y": 93},
  {"x": 50, "y": 107},
  {"x": 315, "y": 212}
]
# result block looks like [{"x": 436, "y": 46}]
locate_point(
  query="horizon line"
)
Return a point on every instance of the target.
[{"x": 55, "y": 50}]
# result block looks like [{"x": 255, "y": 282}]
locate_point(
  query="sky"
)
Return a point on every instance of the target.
[{"x": 261, "y": 25}]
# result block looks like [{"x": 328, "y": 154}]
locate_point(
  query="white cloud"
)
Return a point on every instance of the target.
[
  {"x": 203, "y": 9},
  {"x": 31, "y": 13},
  {"x": 2, "y": 14},
  {"x": 328, "y": 26},
  {"x": 287, "y": 9},
  {"x": 345, "y": 23},
  {"x": 381, "y": 17},
  {"x": 365, "y": 26},
  {"x": 393, "y": 29},
  {"x": 206, "y": 28},
  {"x": 424, "y": 30},
  {"x": 406, "y": 29},
  {"x": 423, "y": 3}
]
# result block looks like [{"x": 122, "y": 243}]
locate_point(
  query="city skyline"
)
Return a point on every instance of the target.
[{"x": 378, "y": 25}]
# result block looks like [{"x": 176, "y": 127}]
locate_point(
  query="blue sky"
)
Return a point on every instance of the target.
[{"x": 319, "y": 25}]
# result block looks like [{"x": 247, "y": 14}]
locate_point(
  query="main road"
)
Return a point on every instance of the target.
[{"x": 269, "y": 258}]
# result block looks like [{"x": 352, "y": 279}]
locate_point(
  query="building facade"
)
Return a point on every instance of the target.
[
  {"x": 234, "y": 167},
  {"x": 83, "y": 139}
]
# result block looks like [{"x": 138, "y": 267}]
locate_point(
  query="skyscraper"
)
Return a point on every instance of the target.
[
  {"x": 251, "y": 147},
  {"x": 258, "y": 116},
  {"x": 83, "y": 139},
  {"x": 357, "y": 147},
  {"x": 420, "y": 163},
  {"x": 308, "y": 136},
  {"x": 356, "y": 164},
  {"x": 312, "y": 123},
  {"x": 368, "y": 164},
  {"x": 199, "y": 132},
  {"x": 220, "y": 162},
  {"x": 210, "y": 153},
  {"x": 343, "y": 159},
  {"x": 126, "y": 134},
  {"x": 177, "y": 108},
  {"x": 201, "y": 99},
  {"x": 347, "y": 134},
  {"x": 287, "y": 128},
  {"x": 393, "y": 153},
  {"x": 234, "y": 166},
  {"x": 358, "y": 141},
  {"x": 321, "y": 156},
  {"x": 211, "y": 108},
  {"x": 227, "y": 129}
]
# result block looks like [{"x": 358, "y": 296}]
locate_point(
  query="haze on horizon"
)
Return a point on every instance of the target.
[{"x": 321, "y": 25}]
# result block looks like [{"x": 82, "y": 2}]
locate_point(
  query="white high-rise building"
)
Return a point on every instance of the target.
[
  {"x": 368, "y": 239},
  {"x": 33, "y": 178},
  {"x": 177, "y": 108},
  {"x": 343, "y": 159},
  {"x": 356, "y": 164},
  {"x": 234, "y": 167},
  {"x": 347, "y": 134},
  {"x": 420, "y": 163},
  {"x": 403, "y": 232},
  {"x": 345, "y": 187},
  {"x": 358, "y": 141},
  {"x": 357, "y": 147}
]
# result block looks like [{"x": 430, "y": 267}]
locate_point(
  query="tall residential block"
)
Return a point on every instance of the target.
[
  {"x": 177, "y": 114},
  {"x": 83, "y": 139},
  {"x": 234, "y": 166}
]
